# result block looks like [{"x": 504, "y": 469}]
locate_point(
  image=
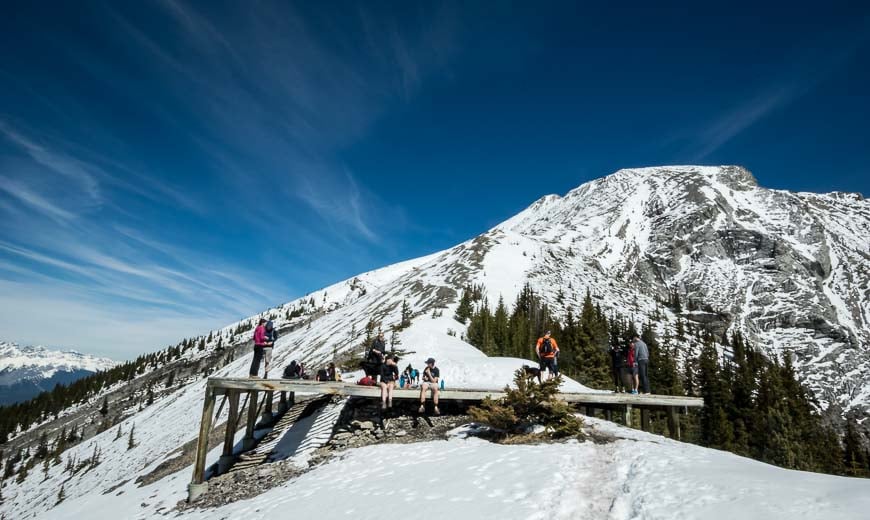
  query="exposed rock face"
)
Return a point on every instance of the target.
[{"x": 790, "y": 270}]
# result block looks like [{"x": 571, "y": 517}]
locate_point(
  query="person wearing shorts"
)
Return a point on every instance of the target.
[
  {"x": 389, "y": 376},
  {"x": 431, "y": 379}
]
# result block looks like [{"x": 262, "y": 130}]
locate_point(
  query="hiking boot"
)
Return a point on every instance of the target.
[
  {"x": 422, "y": 409},
  {"x": 437, "y": 411}
]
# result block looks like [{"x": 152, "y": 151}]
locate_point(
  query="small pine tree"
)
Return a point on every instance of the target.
[
  {"x": 526, "y": 405},
  {"x": 104, "y": 410},
  {"x": 22, "y": 474},
  {"x": 465, "y": 310},
  {"x": 118, "y": 433},
  {"x": 406, "y": 315},
  {"x": 42, "y": 447},
  {"x": 131, "y": 442},
  {"x": 61, "y": 495}
]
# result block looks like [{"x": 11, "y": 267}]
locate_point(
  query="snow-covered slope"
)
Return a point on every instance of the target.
[
  {"x": 26, "y": 371},
  {"x": 788, "y": 269},
  {"x": 637, "y": 476}
]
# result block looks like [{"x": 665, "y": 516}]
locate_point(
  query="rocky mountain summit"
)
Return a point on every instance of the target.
[{"x": 789, "y": 270}]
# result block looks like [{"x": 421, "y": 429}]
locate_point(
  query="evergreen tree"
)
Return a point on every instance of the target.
[
  {"x": 501, "y": 329},
  {"x": 131, "y": 442},
  {"x": 465, "y": 310},
  {"x": 663, "y": 374},
  {"x": 42, "y": 447},
  {"x": 406, "y": 315},
  {"x": 592, "y": 362},
  {"x": 716, "y": 429},
  {"x": 104, "y": 409},
  {"x": 61, "y": 495},
  {"x": 22, "y": 474},
  {"x": 855, "y": 456}
]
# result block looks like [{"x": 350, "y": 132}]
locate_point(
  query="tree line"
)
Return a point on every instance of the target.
[{"x": 754, "y": 405}]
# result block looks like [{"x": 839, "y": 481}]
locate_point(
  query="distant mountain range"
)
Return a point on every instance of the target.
[{"x": 27, "y": 371}]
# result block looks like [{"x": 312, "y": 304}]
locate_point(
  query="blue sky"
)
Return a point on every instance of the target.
[{"x": 168, "y": 167}]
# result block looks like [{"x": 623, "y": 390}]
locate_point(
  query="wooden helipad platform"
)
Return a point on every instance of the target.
[{"x": 232, "y": 388}]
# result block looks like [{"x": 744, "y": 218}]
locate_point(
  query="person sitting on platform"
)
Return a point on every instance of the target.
[
  {"x": 431, "y": 378},
  {"x": 389, "y": 376}
]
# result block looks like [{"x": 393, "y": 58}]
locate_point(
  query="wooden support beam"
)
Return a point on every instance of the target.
[
  {"x": 248, "y": 442},
  {"x": 674, "y": 423},
  {"x": 198, "y": 486},
  {"x": 627, "y": 416},
  {"x": 266, "y": 417},
  {"x": 282, "y": 403},
  {"x": 608, "y": 414},
  {"x": 590, "y": 411},
  {"x": 644, "y": 419},
  {"x": 226, "y": 459}
]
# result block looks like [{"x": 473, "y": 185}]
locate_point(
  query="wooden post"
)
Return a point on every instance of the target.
[
  {"x": 673, "y": 423},
  {"x": 198, "y": 486},
  {"x": 628, "y": 415},
  {"x": 282, "y": 403},
  {"x": 590, "y": 411},
  {"x": 249, "y": 442},
  {"x": 266, "y": 417},
  {"x": 226, "y": 459},
  {"x": 608, "y": 414},
  {"x": 644, "y": 419}
]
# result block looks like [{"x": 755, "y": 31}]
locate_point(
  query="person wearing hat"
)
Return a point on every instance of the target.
[
  {"x": 431, "y": 377},
  {"x": 547, "y": 350}
]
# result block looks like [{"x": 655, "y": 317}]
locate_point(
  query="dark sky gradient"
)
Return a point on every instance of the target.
[{"x": 167, "y": 167}]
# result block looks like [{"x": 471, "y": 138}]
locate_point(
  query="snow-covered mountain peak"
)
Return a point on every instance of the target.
[{"x": 35, "y": 362}]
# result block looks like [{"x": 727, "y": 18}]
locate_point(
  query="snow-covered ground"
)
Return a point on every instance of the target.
[{"x": 639, "y": 476}]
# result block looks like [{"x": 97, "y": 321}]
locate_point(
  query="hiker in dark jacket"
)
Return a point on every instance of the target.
[
  {"x": 389, "y": 375},
  {"x": 375, "y": 357},
  {"x": 641, "y": 356},
  {"x": 616, "y": 363}
]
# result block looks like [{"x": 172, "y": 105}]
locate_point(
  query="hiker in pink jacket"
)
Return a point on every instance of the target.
[{"x": 262, "y": 350}]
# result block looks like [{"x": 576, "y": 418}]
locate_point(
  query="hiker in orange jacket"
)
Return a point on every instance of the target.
[{"x": 548, "y": 352}]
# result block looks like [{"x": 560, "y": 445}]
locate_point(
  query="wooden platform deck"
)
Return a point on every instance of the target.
[
  {"x": 221, "y": 385},
  {"x": 233, "y": 388}
]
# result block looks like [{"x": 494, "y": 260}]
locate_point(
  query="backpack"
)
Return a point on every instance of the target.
[
  {"x": 546, "y": 346},
  {"x": 366, "y": 381}
]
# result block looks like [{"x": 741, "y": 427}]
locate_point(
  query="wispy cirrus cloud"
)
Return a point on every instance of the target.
[
  {"x": 796, "y": 78},
  {"x": 195, "y": 171}
]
